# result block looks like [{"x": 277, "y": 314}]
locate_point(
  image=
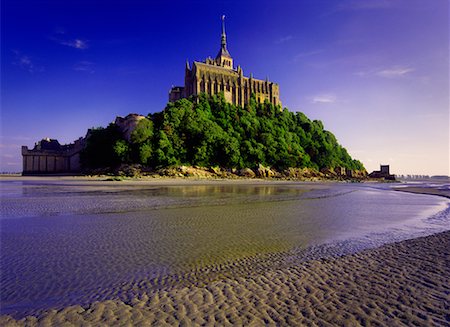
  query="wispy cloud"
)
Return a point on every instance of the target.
[
  {"x": 60, "y": 37},
  {"x": 392, "y": 72},
  {"x": 305, "y": 54},
  {"x": 25, "y": 62},
  {"x": 323, "y": 99},
  {"x": 284, "y": 39},
  {"x": 75, "y": 43},
  {"x": 360, "y": 5},
  {"x": 84, "y": 66}
]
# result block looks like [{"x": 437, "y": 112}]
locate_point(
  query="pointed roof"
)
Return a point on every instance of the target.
[{"x": 223, "y": 52}]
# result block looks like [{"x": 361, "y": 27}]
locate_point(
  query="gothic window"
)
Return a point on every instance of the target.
[{"x": 202, "y": 85}]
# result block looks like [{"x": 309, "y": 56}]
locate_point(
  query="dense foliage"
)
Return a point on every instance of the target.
[{"x": 208, "y": 131}]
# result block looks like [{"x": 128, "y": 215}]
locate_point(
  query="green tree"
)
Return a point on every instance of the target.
[
  {"x": 99, "y": 150},
  {"x": 208, "y": 131},
  {"x": 122, "y": 150},
  {"x": 142, "y": 132}
]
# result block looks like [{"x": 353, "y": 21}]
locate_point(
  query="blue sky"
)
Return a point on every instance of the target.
[{"x": 376, "y": 72}]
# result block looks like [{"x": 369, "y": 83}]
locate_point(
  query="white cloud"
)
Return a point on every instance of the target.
[
  {"x": 76, "y": 43},
  {"x": 24, "y": 61},
  {"x": 59, "y": 36},
  {"x": 284, "y": 39},
  {"x": 323, "y": 99},
  {"x": 363, "y": 5},
  {"x": 394, "y": 72}
]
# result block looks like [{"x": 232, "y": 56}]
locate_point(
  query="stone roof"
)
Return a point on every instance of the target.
[
  {"x": 223, "y": 52},
  {"x": 222, "y": 70}
]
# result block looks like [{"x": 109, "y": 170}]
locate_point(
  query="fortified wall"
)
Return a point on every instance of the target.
[{"x": 50, "y": 157}]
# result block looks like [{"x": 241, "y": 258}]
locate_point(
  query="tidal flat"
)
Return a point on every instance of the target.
[{"x": 221, "y": 253}]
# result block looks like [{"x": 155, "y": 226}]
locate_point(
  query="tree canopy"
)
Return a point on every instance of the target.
[{"x": 208, "y": 131}]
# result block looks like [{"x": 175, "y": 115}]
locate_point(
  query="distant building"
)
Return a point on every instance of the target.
[
  {"x": 214, "y": 76},
  {"x": 50, "y": 157},
  {"x": 382, "y": 173}
]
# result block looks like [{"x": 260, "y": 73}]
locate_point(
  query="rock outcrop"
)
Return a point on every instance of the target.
[{"x": 128, "y": 124}]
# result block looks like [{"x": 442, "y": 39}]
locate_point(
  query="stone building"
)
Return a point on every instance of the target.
[
  {"x": 50, "y": 157},
  {"x": 382, "y": 173},
  {"x": 217, "y": 75}
]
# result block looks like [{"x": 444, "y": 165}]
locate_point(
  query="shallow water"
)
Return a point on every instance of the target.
[{"x": 65, "y": 243}]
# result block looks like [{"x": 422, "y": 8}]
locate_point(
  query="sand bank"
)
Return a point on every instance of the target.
[
  {"x": 425, "y": 190},
  {"x": 406, "y": 283}
]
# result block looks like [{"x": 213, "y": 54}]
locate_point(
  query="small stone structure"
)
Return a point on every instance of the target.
[
  {"x": 218, "y": 75},
  {"x": 50, "y": 157},
  {"x": 382, "y": 173}
]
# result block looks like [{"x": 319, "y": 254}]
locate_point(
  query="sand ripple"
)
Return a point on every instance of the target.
[{"x": 406, "y": 283}]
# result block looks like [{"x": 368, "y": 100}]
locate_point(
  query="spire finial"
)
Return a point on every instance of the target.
[
  {"x": 223, "y": 24},
  {"x": 224, "y": 36}
]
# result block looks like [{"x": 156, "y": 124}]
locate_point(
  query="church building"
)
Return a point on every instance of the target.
[{"x": 217, "y": 75}]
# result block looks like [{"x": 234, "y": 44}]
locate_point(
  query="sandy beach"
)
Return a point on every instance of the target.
[{"x": 405, "y": 283}]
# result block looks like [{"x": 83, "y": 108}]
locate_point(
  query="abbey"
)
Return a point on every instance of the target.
[{"x": 214, "y": 76}]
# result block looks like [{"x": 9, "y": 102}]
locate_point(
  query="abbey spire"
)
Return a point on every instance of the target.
[
  {"x": 218, "y": 76},
  {"x": 223, "y": 58},
  {"x": 224, "y": 35}
]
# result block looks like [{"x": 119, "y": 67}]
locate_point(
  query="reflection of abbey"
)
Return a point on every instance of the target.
[{"x": 218, "y": 75}]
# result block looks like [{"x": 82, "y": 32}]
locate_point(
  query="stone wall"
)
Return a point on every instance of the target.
[{"x": 49, "y": 157}]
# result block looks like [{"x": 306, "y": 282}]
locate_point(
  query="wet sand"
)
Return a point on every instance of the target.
[
  {"x": 425, "y": 190},
  {"x": 405, "y": 283}
]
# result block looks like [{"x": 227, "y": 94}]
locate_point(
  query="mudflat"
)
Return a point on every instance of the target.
[
  {"x": 402, "y": 283},
  {"x": 78, "y": 251}
]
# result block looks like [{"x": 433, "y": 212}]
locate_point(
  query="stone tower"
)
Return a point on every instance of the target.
[{"x": 223, "y": 58}]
